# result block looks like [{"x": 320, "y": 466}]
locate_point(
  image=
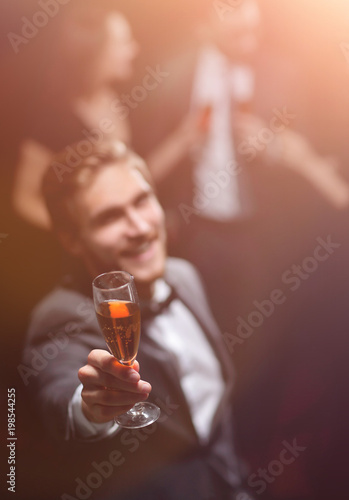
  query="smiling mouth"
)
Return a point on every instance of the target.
[{"x": 141, "y": 252}]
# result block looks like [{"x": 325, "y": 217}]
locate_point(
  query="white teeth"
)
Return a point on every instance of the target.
[{"x": 141, "y": 249}]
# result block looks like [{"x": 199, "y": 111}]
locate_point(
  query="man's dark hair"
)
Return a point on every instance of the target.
[{"x": 62, "y": 180}]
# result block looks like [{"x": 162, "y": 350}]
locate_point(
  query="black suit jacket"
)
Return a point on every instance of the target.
[{"x": 160, "y": 450}]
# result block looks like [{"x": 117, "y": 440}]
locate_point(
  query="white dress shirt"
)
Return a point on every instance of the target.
[{"x": 217, "y": 84}]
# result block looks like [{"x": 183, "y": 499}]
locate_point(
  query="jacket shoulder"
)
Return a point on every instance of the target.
[
  {"x": 181, "y": 268},
  {"x": 59, "y": 307},
  {"x": 183, "y": 275}
]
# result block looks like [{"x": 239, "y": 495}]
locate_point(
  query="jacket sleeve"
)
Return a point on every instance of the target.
[{"x": 62, "y": 332}]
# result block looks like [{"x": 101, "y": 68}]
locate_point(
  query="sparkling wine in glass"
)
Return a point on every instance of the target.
[{"x": 117, "y": 309}]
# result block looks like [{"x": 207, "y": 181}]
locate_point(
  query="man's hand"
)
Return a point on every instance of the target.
[{"x": 109, "y": 388}]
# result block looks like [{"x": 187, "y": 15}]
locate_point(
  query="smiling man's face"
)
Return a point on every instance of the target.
[{"x": 120, "y": 225}]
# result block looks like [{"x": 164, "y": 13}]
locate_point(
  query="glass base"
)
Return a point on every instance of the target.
[{"x": 141, "y": 415}]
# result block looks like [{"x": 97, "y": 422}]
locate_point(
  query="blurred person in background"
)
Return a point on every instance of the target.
[
  {"x": 247, "y": 206},
  {"x": 92, "y": 50},
  {"x": 245, "y": 158},
  {"x": 94, "y": 54},
  {"x": 95, "y": 49}
]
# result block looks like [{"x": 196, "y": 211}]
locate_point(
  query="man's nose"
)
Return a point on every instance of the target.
[{"x": 137, "y": 224}]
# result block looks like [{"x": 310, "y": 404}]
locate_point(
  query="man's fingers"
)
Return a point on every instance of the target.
[
  {"x": 109, "y": 388},
  {"x": 105, "y": 397},
  {"x": 90, "y": 376},
  {"x": 108, "y": 364},
  {"x": 102, "y": 414},
  {"x": 101, "y": 405}
]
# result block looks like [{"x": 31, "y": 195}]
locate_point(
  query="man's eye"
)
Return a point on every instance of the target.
[
  {"x": 107, "y": 219},
  {"x": 142, "y": 200}
]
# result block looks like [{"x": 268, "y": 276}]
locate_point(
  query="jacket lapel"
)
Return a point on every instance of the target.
[
  {"x": 197, "y": 303},
  {"x": 157, "y": 366}
]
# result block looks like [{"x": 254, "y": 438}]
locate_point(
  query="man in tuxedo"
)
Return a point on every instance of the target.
[{"x": 105, "y": 213}]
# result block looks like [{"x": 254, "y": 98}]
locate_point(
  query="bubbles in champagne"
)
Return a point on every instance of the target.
[{"x": 120, "y": 324}]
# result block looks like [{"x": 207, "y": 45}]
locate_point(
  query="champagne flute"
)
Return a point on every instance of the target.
[{"x": 117, "y": 309}]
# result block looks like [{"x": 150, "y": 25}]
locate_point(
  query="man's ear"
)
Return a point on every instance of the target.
[{"x": 70, "y": 242}]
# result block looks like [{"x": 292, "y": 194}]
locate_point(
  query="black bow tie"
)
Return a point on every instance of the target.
[{"x": 153, "y": 308}]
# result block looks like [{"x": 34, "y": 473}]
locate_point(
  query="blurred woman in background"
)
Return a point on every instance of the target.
[
  {"x": 94, "y": 52},
  {"x": 92, "y": 58}
]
